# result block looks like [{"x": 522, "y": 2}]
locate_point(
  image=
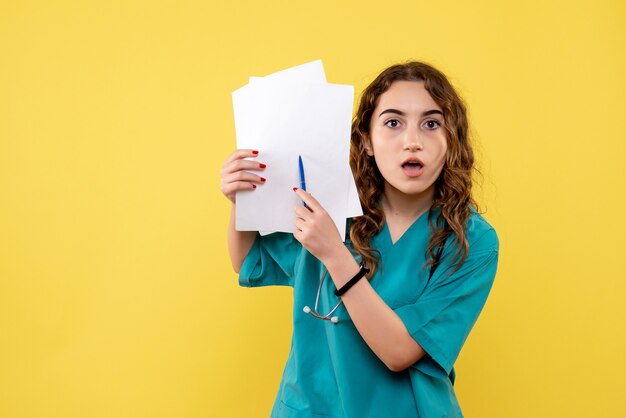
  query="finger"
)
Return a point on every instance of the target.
[
  {"x": 242, "y": 176},
  {"x": 310, "y": 201},
  {"x": 239, "y": 165},
  {"x": 302, "y": 212},
  {"x": 241, "y": 153},
  {"x": 297, "y": 234},
  {"x": 299, "y": 224},
  {"x": 237, "y": 187}
]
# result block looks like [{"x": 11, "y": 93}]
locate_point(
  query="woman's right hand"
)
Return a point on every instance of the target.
[{"x": 235, "y": 176}]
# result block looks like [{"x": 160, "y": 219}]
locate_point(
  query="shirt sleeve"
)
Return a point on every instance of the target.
[
  {"x": 270, "y": 261},
  {"x": 443, "y": 316}
]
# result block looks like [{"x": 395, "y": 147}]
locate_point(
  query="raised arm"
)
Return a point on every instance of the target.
[
  {"x": 378, "y": 324},
  {"x": 239, "y": 242},
  {"x": 440, "y": 319},
  {"x": 236, "y": 176}
]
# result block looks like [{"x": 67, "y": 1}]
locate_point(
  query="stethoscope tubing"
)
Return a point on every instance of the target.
[{"x": 315, "y": 312}]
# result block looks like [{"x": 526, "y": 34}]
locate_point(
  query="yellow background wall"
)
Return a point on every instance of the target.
[{"x": 117, "y": 298}]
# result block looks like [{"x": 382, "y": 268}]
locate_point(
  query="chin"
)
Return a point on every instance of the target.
[{"x": 412, "y": 189}]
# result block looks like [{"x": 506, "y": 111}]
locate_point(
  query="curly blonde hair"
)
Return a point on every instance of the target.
[{"x": 453, "y": 186}]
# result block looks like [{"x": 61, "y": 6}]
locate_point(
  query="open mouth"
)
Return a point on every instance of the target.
[{"x": 412, "y": 167}]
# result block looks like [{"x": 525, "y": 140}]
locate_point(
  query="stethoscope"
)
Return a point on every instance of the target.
[
  {"x": 335, "y": 319},
  {"x": 315, "y": 313}
]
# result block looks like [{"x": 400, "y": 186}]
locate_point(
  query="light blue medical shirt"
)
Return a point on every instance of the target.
[{"x": 331, "y": 371}]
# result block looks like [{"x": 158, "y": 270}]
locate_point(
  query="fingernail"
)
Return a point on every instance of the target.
[
  {"x": 255, "y": 152},
  {"x": 262, "y": 165},
  {"x": 262, "y": 179},
  {"x": 295, "y": 188},
  {"x": 254, "y": 186}
]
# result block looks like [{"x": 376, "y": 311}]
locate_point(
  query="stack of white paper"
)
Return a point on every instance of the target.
[{"x": 285, "y": 115}]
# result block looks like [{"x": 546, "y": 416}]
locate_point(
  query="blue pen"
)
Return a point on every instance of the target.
[{"x": 302, "y": 181}]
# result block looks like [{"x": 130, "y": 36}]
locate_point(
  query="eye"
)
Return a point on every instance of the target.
[
  {"x": 432, "y": 124},
  {"x": 392, "y": 123}
]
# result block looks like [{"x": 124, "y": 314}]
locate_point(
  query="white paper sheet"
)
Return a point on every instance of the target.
[
  {"x": 285, "y": 115},
  {"x": 312, "y": 72}
]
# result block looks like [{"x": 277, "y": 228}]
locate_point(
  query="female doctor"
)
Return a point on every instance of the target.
[{"x": 380, "y": 319}]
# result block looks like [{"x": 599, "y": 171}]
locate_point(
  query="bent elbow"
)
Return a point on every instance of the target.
[
  {"x": 397, "y": 366},
  {"x": 396, "y": 363},
  {"x": 395, "y": 369},
  {"x": 404, "y": 358}
]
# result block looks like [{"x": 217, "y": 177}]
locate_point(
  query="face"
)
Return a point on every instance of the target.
[{"x": 408, "y": 138}]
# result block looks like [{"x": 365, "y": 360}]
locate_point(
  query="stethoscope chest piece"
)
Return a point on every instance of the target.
[{"x": 315, "y": 313}]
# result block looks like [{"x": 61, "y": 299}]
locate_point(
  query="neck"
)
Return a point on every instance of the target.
[{"x": 401, "y": 205}]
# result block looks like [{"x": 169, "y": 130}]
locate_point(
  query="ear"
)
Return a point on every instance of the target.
[{"x": 367, "y": 144}]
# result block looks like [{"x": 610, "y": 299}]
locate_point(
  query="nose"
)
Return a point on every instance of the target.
[
  {"x": 413, "y": 146},
  {"x": 412, "y": 141}
]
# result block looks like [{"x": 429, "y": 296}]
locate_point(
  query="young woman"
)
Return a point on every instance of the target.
[{"x": 380, "y": 319}]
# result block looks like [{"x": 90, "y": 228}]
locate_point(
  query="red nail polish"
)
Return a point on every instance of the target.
[
  {"x": 295, "y": 188},
  {"x": 254, "y": 186},
  {"x": 263, "y": 179},
  {"x": 262, "y": 165},
  {"x": 255, "y": 152}
]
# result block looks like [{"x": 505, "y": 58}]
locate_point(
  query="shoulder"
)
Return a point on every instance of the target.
[
  {"x": 483, "y": 249},
  {"x": 481, "y": 235}
]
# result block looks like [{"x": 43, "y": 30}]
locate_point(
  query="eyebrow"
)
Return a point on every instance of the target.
[{"x": 401, "y": 113}]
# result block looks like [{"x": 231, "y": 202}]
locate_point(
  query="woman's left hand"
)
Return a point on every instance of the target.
[{"x": 315, "y": 229}]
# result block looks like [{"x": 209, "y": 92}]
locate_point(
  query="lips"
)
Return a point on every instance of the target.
[
  {"x": 413, "y": 167},
  {"x": 413, "y": 162}
]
